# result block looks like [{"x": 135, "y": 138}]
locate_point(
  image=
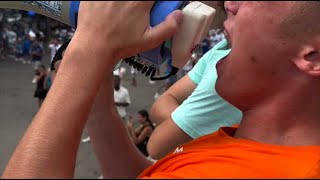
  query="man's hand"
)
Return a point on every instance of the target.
[{"x": 123, "y": 26}]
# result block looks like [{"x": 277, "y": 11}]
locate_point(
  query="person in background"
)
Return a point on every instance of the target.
[
  {"x": 11, "y": 40},
  {"x": 42, "y": 37},
  {"x": 26, "y": 49},
  {"x": 63, "y": 34},
  {"x": 206, "y": 45},
  {"x": 140, "y": 136},
  {"x": 54, "y": 45},
  {"x": 133, "y": 72},
  {"x": 41, "y": 84},
  {"x": 2, "y": 42},
  {"x": 5, "y": 42},
  {"x": 121, "y": 97},
  {"x": 48, "y": 80},
  {"x": 36, "y": 51},
  {"x": 19, "y": 50},
  {"x": 121, "y": 71}
]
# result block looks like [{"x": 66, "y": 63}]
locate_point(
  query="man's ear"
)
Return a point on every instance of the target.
[{"x": 308, "y": 61}]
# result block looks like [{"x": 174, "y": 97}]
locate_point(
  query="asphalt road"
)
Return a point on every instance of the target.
[{"x": 18, "y": 107}]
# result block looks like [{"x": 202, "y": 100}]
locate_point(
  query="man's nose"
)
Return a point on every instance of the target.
[{"x": 232, "y": 6}]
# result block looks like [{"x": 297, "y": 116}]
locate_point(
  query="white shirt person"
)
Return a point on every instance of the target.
[{"x": 121, "y": 97}]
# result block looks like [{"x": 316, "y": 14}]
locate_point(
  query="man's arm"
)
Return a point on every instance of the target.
[
  {"x": 49, "y": 147},
  {"x": 165, "y": 138},
  {"x": 162, "y": 110},
  {"x": 158, "y": 144},
  {"x": 110, "y": 139},
  {"x": 171, "y": 99}
]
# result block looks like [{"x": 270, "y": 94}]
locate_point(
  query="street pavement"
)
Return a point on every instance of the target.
[{"x": 18, "y": 107}]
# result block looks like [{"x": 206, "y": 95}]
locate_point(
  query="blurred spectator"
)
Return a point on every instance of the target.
[
  {"x": 54, "y": 45},
  {"x": 121, "y": 71},
  {"x": 40, "y": 80},
  {"x": 70, "y": 33},
  {"x": 121, "y": 97},
  {"x": 40, "y": 36},
  {"x": 11, "y": 38},
  {"x": 217, "y": 35},
  {"x": 141, "y": 135},
  {"x": 206, "y": 45},
  {"x": 36, "y": 51},
  {"x": 2, "y": 43},
  {"x": 19, "y": 50},
  {"x": 26, "y": 50},
  {"x": 133, "y": 76},
  {"x": 4, "y": 40},
  {"x": 48, "y": 80},
  {"x": 63, "y": 34}
]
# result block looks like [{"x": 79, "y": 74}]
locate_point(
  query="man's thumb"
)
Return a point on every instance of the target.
[{"x": 165, "y": 30}]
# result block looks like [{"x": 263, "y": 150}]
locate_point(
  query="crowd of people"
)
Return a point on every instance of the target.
[
  {"x": 231, "y": 114},
  {"x": 29, "y": 47}
]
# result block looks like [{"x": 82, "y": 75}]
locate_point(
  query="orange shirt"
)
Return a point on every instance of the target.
[{"x": 219, "y": 155}]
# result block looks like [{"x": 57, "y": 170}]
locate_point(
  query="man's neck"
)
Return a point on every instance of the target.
[{"x": 291, "y": 119}]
